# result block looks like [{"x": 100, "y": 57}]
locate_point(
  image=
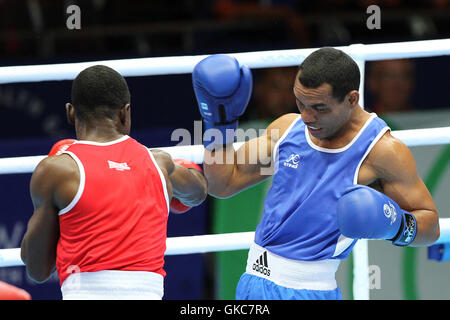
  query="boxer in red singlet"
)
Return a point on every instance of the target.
[{"x": 101, "y": 202}]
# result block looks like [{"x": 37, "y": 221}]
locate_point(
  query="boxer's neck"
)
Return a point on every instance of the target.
[{"x": 99, "y": 131}]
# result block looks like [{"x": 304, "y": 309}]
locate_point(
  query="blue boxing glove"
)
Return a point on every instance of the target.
[
  {"x": 223, "y": 89},
  {"x": 363, "y": 212}
]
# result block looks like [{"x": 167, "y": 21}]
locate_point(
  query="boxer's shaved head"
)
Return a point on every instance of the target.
[{"x": 99, "y": 91}]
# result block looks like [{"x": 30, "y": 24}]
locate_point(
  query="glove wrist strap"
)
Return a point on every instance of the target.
[
  {"x": 221, "y": 134},
  {"x": 407, "y": 231}
]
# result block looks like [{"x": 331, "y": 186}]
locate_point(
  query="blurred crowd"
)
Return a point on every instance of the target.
[
  {"x": 37, "y": 28},
  {"x": 35, "y": 32}
]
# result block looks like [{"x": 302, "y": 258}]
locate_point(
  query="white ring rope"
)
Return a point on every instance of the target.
[
  {"x": 258, "y": 59},
  {"x": 261, "y": 59},
  {"x": 203, "y": 244},
  {"x": 174, "y": 246},
  {"x": 416, "y": 137}
]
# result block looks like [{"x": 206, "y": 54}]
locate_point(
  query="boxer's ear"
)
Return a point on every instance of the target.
[
  {"x": 125, "y": 118},
  {"x": 353, "y": 98},
  {"x": 124, "y": 114},
  {"x": 70, "y": 113}
]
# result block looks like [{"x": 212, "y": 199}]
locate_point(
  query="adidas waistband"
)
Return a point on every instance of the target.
[{"x": 311, "y": 275}]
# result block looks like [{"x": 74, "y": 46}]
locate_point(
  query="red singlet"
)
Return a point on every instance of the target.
[{"x": 118, "y": 218}]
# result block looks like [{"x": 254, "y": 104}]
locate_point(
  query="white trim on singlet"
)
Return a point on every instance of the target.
[
  {"x": 377, "y": 138},
  {"x": 81, "y": 169},
  {"x": 328, "y": 150},
  {"x": 277, "y": 144},
  {"x": 102, "y": 144},
  {"x": 343, "y": 242},
  {"x": 80, "y": 186},
  {"x": 163, "y": 179}
]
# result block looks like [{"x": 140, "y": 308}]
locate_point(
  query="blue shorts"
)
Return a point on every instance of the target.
[{"x": 251, "y": 287}]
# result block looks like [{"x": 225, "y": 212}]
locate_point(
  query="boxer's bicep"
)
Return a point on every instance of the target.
[
  {"x": 253, "y": 162},
  {"x": 230, "y": 171},
  {"x": 397, "y": 172},
  {"x": 396, "y": 169},
  {"x": 258, "y": 152}
]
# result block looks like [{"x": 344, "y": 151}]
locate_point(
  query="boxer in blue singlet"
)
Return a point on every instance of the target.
[{"x": 339, "y": 175}]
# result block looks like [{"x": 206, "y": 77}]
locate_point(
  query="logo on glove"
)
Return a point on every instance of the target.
[
  {"x": 390, "y": 212},
  {"x": 204, "y": 106},
  {"x": 410, "y": 230}
]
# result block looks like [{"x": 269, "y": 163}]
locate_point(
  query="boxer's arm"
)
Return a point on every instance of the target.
[
  {"x": 38, "y": 248},
  {"x": 395, "y": 168},
  {"x": 230, "y": 171},
  {"x": 52, "y": 187},
  {"x": 187, "y": 185}
]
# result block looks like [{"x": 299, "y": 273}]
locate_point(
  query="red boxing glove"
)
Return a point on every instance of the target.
[
  {"x": 10, "y": 292},
  {"x": 188, "y": 164},
  {"x": 60, "y": 146},
  {"x": 175, "y": 205}
]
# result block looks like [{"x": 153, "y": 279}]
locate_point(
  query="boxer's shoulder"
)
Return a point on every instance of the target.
[
  {"x": 390, "y": 157},
  {"x": 163, "y": 159},
  {"x": 53, "y": 170},
  {"x": 161, "y": 154},
  {"x": 278, "y": 127},
  {"x": 55, "y": 180},
  {"x": 57, "y": 165}
]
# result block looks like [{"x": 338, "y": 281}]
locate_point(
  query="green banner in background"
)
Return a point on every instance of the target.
[{"x": 239, "y": 213}]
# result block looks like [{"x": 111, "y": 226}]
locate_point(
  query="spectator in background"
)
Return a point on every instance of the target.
[
  {"x": 391, "y": 84},
  {"x": 284, "y": 11},
  {"x": 272, "y": 96}
]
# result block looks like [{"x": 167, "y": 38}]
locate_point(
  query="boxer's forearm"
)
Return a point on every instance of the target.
[
  {"x": 189, "y": 186},
  {"x": 219, "y": 168},
  {"x": 427, "y": 227}
]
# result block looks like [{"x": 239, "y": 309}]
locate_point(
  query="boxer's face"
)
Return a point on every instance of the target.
[{"x": 321, "y": 112}]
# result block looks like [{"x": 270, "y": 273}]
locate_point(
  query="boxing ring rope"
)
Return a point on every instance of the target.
[
  {"x": 185, "y": 64},
  {"x": 262, "y": 59},
  {"x": 412, "y": 138},
  {"x": 203, "y": 244}
]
